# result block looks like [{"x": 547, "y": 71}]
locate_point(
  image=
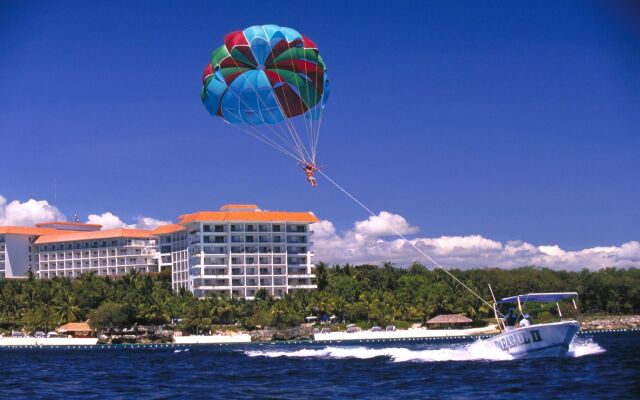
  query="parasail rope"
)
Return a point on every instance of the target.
[
  {"x": 263, "y": 137},
  {"x": 293, "y": 145},
  {"x": 427, "y": 256},
  {"x": 311, "y": 156},
  {"x": 291, "y": 127},
  {"x": 301, "y": 155}
]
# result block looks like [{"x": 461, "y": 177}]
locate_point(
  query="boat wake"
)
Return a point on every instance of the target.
[
  {"x": 477, "y": 351},
  {"x": 581, "y": 347}
]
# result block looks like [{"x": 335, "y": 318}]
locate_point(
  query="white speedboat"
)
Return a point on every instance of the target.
[{"x": 521, "y": 339}]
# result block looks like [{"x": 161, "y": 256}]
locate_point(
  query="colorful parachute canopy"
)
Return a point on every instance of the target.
[{"x": 264, "y": 75}]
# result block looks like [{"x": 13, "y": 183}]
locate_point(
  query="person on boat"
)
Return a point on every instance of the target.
[
  {"x": 510, "y": 319},
  {"x": 309, "y": 170},
  {"x": 525, "y": 321}
]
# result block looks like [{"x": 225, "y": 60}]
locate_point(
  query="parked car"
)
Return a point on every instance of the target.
[
  {"x": 376, "y": 329},
  {"x": 39, "y": 335},
  {"x": 391, "y": 328}
]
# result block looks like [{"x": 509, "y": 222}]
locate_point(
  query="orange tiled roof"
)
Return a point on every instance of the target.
[
  {"x": 258, "y": 216},
  {"x": 108, "y": 234},
  {"x": 166, "y": 229},
  {"x": 68, "y": 224},
  {"x": 27, "y": 230},
  {"x": 239, "y": 207},
  {"x": 74, "y": 327},
  {"x": 449, "y": 319}
]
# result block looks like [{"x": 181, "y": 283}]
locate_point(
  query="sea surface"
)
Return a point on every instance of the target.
[{"x": 600, "y": 365}]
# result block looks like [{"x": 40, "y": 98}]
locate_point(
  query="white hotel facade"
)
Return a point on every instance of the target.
[
  {"x": 234, "y": 251},
  {"x": 83, "y": 248},
  {"x": 239, "y": 250}
]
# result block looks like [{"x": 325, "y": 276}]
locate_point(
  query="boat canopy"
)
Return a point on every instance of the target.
[{"x": 539, "y": 297}]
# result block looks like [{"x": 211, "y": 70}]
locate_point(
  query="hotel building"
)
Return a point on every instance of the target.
[
  {"x": 72, "y": 253},
  {"x": 18, "y": 251},
  {"x": 239, "y": 250},
  {"x": 234, "y": 251}
]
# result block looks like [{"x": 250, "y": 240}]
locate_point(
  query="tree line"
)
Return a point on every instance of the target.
[{"x": 366, "y": 294}]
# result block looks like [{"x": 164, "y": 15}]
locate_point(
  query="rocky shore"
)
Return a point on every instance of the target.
[
  {"x": 606, "y": 323},
  {"x": 268, "y": 334}
]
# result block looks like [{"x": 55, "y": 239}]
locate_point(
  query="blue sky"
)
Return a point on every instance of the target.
[{"x": 509, "y": 120}]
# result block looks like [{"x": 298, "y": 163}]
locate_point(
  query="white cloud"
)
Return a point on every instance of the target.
[
  {"x": 149, "y": 223},
  {"x": 32, "y": 211},
  {"x": 108, "y": 220},
  {"x": 373, "y": 241},
  {"x": 370, "y": 242},
  {"x": 28, "y": 213},
  {"x": 384, "y": 224}
]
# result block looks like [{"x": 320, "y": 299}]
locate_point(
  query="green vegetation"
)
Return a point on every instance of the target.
[{"x": 368, "y": 295}]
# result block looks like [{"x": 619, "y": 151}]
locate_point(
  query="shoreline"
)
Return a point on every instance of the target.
[
  {"x": 595, "y": 325},
  {"x": 417, "y": 333},
  {"x": 72, "y": 343}
]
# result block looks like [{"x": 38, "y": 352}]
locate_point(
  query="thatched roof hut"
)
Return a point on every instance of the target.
[
  {"x": 77, "y": 329},
  {"x": 450, "y": 319}
]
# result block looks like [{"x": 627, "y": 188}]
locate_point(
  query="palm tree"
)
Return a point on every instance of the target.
[{"x": 65, "y": 309}]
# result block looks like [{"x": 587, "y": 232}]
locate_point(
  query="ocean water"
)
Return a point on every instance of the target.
[{"x": 600, "y": 365}]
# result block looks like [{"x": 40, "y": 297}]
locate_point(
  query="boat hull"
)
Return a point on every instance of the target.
[{"x": 543, "y": 340}]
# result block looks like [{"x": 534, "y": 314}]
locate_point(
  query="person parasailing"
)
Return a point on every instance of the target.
[{"x": 309, "y": 170}]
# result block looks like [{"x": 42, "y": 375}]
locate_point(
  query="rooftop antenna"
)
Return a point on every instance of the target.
[{"x": 55, "y": 190}]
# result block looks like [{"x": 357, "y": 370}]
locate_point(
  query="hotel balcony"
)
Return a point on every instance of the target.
[
  {"x": 307, "y": 286},
  {"x": 213, "y": 288},
  {"x": 300, "y": 273}
]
